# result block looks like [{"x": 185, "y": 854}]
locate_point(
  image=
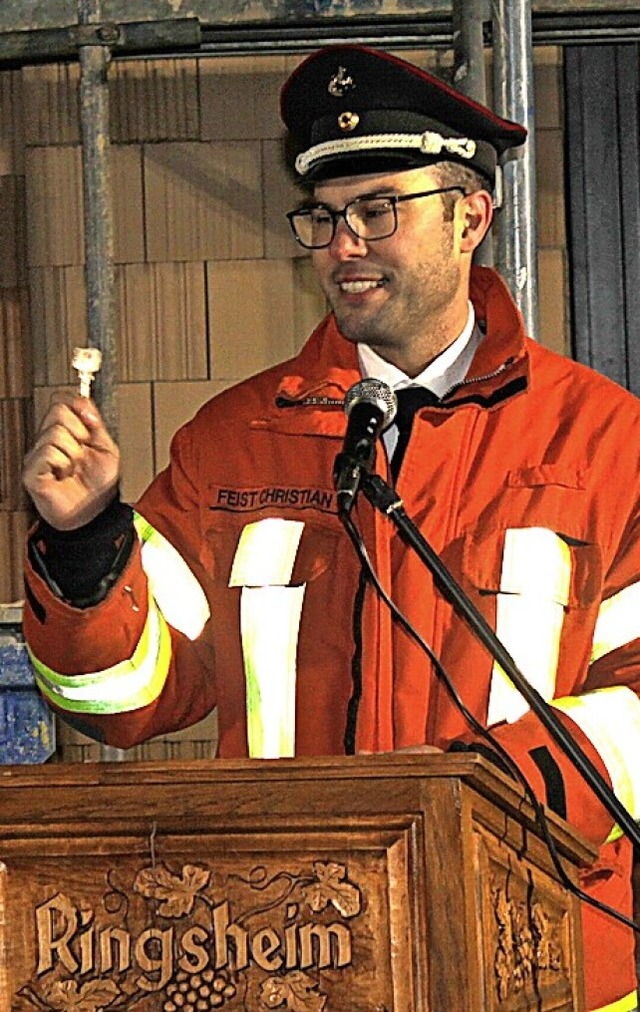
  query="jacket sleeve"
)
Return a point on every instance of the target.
[
  {"x": 137, "y": 663},
  {"x": 602, "y": 716}
]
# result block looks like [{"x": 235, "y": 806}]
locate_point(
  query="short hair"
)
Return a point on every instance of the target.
[{"x": 454, "y": 174}]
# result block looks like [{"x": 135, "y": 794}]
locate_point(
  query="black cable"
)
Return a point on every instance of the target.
[{"x": 484, "y": 732}]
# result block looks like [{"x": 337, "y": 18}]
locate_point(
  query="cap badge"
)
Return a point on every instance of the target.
[
  {"x": 348, "y": 121},
  {"x": 340, "y": 82}
]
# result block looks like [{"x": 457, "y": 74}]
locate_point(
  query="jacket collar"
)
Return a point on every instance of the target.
[
  {"x": 327, "y": 365},
  {"x": 500, "y": 320}
]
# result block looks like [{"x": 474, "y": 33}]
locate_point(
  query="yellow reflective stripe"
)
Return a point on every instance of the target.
[
  {"x": 270, "y": 613},
  {"x": 618, "y": 621},
  {"x": 180, "y": 597},
  {"x": 125, "y": 686},
  {"x": 266, "y": 553},
  {"x": 270, "y": 622},
  {"x": 610, "y": 718},
  {"x": 626, "y": 1004},
  {"x": 534, "y": 590}
]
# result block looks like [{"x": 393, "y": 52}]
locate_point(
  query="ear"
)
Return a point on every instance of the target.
[{"x": 476, "y": 213}]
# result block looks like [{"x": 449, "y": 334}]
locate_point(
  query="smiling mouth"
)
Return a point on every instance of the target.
[{"x": 356, "y": 287}]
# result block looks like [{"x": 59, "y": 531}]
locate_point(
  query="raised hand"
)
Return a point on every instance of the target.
[{"x": 73, "y": 470}]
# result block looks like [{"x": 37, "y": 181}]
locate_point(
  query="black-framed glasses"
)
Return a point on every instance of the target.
[{"x": 370, "y": 218}]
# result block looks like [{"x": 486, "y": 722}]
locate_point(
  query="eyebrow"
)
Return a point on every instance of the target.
[{"x": 388, "y": 191}]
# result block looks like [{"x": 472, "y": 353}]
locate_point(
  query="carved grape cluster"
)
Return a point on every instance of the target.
[{"x": 198, "y": 992}]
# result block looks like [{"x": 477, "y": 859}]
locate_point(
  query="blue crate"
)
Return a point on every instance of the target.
[{"x": 27, "y": 727}]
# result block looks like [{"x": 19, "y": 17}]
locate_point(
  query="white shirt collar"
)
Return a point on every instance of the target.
[{"x": 446, "y": 371}]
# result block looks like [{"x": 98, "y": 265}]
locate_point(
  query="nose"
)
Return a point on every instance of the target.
[{"x": 345, "y": 245}]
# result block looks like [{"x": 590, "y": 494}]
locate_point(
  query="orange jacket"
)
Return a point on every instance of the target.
[{"x": 524, "y": 480}]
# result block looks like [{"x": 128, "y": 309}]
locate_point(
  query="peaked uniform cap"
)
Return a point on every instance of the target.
[{"x": 351, "y": 110}]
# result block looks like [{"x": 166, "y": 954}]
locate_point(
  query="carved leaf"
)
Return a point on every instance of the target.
[
  {"x": 305, "y": 992},
  {"x": 297, "y": 991},
  {"x": 175, "y": 893},
  {"x": 274, "y": 992},
  {"x": 330, "y": 887},
  {"x": 95, "y": 995},
  {"x": 548, "y": 948},
  {"x": 25, "y": 1000}
]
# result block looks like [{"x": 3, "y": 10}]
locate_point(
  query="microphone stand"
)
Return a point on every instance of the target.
[{"x": 385, "y": 499}]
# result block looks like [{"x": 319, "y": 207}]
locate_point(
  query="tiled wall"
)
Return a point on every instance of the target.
[
  {"x": 210, "y": 286},
  {"x": 15, "y": 344}
]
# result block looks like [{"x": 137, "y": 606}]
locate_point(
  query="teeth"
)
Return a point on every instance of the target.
[{"x": 358, "y": 286}]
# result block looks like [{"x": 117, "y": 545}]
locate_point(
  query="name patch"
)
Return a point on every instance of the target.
[{"x": 245, "y": 500}]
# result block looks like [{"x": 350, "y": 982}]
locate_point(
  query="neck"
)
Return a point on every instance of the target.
[{"x": 413, "y": 356}]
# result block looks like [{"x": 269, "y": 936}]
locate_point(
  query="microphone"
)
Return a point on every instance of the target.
[{"x": 370, "y": 406}]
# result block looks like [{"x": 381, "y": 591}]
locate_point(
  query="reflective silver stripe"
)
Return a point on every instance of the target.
[
  {"x": 618, "y": 621},
  {"x": 128, "y": 685},
  {"x": 610, "y": 718},
  {"x": 180, "y": 597},
  {"x": 266, "y": 553},
  {"x": 534, "y": 591},
  {"x": 270, "y": 613},
  {"x": 270, "y": 624}
]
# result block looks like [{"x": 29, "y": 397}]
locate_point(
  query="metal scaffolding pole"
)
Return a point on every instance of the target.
[
  {"x": 95, "y": 55},
  {"x": 468, "y": 18},
  {"x": 513, "y": 99},
  {"x": 468, "y": 48}
]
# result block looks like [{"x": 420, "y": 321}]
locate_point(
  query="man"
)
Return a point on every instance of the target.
[{"x": 520, "y": 468}]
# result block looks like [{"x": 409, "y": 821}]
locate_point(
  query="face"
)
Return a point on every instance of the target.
[{"x": 405, "y": 295}]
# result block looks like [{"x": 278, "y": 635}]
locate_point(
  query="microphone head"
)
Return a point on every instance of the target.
[{"x": 375, "y": 392}]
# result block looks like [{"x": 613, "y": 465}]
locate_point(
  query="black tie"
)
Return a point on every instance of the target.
[{"x": 410, "y": 400}]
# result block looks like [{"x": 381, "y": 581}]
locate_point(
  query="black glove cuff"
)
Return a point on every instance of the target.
[{"x": 82, "y": 565}]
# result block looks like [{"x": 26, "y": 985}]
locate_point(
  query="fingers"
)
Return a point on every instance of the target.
[
  {"x": 65, "y": 406},
  {"x": 59, "y": 448},
  {"x": 80, "y": 417},
  {"x": 72, "y": 443},
  {"x": 59, "y": 443}
]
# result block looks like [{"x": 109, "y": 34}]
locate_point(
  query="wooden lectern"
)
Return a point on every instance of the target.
[{"x": 399, "y": 883}]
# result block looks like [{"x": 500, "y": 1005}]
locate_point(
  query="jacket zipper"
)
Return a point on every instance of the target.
[
  {"x": 336, "y": 402},
  {"x": 478, "y": 379}
]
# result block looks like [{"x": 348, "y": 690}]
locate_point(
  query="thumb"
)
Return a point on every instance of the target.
[{"x": 92, "y": 419}]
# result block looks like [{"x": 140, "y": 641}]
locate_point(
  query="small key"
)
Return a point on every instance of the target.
[{"x": 86, "y": 362}]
